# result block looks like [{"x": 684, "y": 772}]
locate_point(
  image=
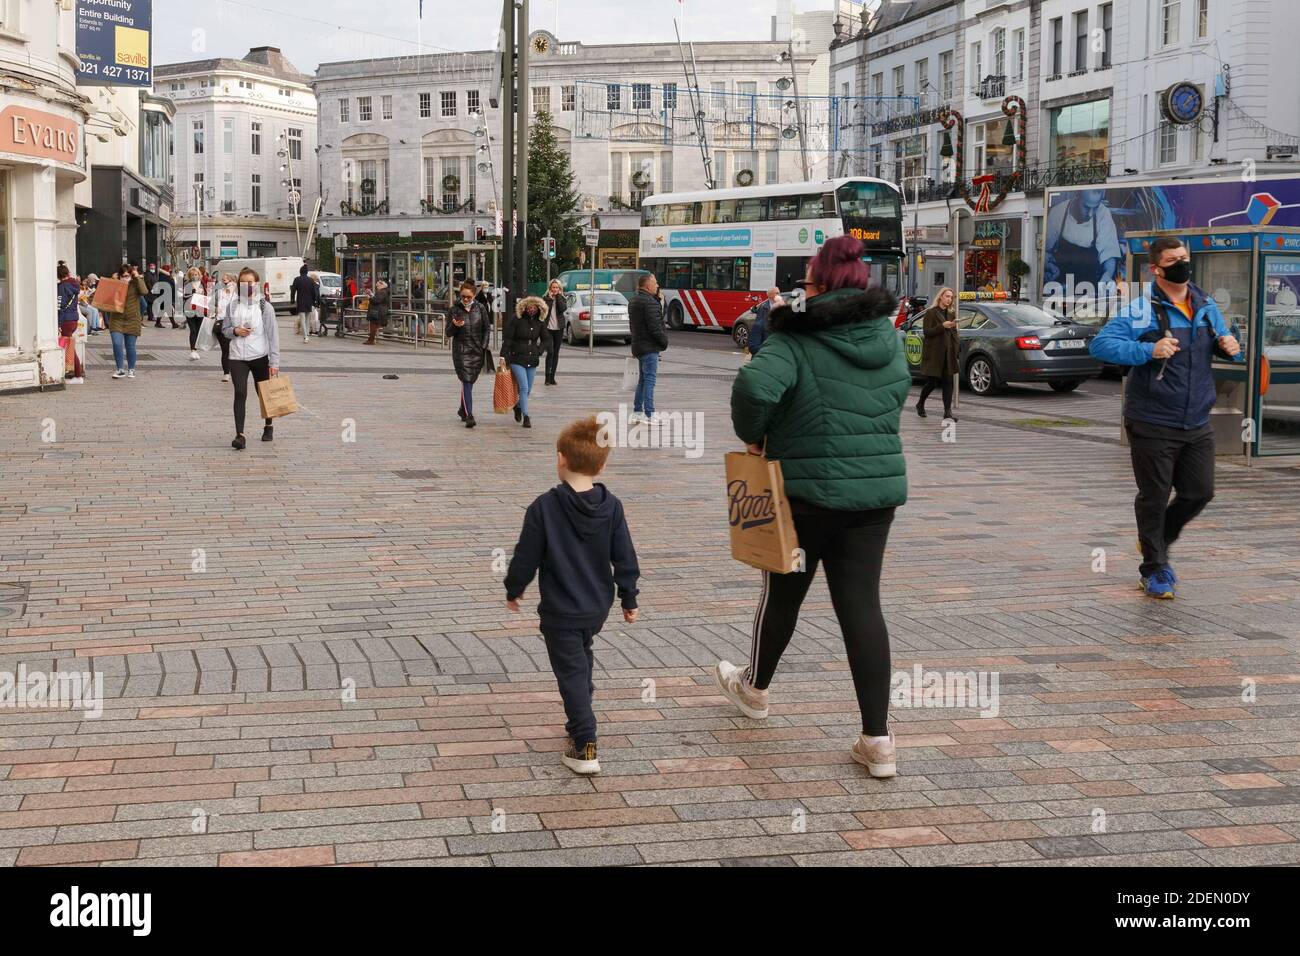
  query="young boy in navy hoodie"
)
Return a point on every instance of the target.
[{"x": 577, "y": 536}]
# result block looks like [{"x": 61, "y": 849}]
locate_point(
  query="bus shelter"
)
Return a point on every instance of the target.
[{"x": 1253, "y": 273}]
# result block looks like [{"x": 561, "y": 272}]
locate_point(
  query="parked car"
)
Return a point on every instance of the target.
[
  {"x": 611, "y": 319},
  {"x": 1005, "y": 343},
  {"x": 1094, "y": 315}
]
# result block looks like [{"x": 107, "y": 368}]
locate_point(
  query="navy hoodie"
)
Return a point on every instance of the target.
[{"x": 574, "y": 538}]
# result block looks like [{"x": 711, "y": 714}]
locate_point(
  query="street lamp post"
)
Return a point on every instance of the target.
[
  {"x": 293, "y": 195},
  {"x": 787, "y": 56},
  {"x": 916, "y": 231}
]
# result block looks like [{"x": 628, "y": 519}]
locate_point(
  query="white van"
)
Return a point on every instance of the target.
[{"x": 278, "y": 273}]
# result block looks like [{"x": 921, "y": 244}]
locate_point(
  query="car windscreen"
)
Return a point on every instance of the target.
[
  {"x": 1023, "y": 316},
  {"x": 605, "y": 298}
]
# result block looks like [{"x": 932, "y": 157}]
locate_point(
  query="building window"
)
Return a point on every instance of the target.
[
  {"x": 1107, "y": 16},
  {"x": 450, "y": 177},
  {"x": 1168, "y": 146},
  {"x": 448, "y": 102},
  {"x": 945, "y": 75},
  {"x": 1079, "y": 133},
  {"x": 666, "y": 172},
  {"x": 878, "y": 85},
  {"x": 364, "y": 111},
  {"x": 1080, "y": 41},
  {"x": 198, "y": 137},
  {"x": 426, "y": 106},
  {"x": 1000, "y": 52},
  {"x": 200, "y": 194},
  {"x": 386, "y": 107},
  {"x": 568, "y": 98},
  {"x": 256, "y": 204},
  {"x": 988, "y": 155},
  {"x": 1171, "y": 12},
  {"x": 228, "y": 192},
  {"x": 922, "y": 77},
  {"x": 1058, "y": 38},
  {"x": 295, "y": 143},
  {"x": 773, "y": 166},
  {"x": 228, "y": 136},
  {"x": 976, "y": 63},
  {"x": 1019, "y": 54},
  {"x": 900, "y": 83},
  {"x": 720, "y": 96},
  {"x": 1202, "y": 19},
  {"x": 613, "y": 97},
  {"x": 670, "y": 96},
  {"x": 541, "y": 99},
  {"x": 255, "y": 139},
  {"x": 640, "y": 96},
  {"x": 876, "y": 163},
  {"x": 472, "y": 102},
  {"x": 909, "y": 159},
  {"x": 345, "y": 111}
]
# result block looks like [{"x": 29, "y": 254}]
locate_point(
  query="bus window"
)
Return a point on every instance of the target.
[
  {"x": 785, "y": 207},
  {"x": 740, "y": 278},
  {"x": 751, "y": 210},
  {"x": 698, "y": 273},
  {"x": 681, "y": 214},
  {"x": 654, "y": 215},
  {"x": 727, "y": 210},
  {"x": 810, "y": 207},
  {"x": 659, "y": 267},
  {"x": 707, "y": 212},
  {"x": 869, "y": 200},
  {"x": 720, "y": 274},
  {"x": 678, "y": 274}
]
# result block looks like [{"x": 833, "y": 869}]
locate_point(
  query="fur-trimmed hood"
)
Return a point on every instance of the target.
[
  {"x": 830, "y": 309},
  {"x": 542, "y": 308}
]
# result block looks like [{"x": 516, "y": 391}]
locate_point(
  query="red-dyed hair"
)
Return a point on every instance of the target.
[{"x": 839, "y": 265}]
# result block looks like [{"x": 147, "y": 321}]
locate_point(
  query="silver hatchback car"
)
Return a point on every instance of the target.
[{"x": 610, "y": 320}]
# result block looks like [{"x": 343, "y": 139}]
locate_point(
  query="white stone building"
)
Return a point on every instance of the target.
[
  {"x": 400, "y": 159},
  {"x": 233, "y": 120},
  {"x": 42, "y": 159}
]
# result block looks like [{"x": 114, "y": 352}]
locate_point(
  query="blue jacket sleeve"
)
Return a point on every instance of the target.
[
  {"x": 528, "y": 554},
  {"x": 622, "y": 556},
  {"x": 1117, "y": 342}
]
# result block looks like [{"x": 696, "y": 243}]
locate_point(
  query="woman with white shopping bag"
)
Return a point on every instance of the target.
[
  {"x": 249, "y": 323},
  {"x": 825, "y": 395},
  {"x": 197, "y": 307}
]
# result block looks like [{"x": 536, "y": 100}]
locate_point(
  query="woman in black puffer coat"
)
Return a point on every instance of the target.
[
  {"x": 469, "y": 328},
  {"x": 523, "y": 346}
]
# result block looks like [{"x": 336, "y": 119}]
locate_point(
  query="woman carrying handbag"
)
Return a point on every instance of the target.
[
  {"x": 522, "y": 346},
  {"x": 468, "y": 327},
  {"x": 939, "y": 351}
]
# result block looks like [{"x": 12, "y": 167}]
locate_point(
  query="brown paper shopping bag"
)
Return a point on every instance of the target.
[
  {"x": 505, "y": 390},
  {"x": 110, "y": 295},
  {"x": 762, "y": 528},
  {"x": 276, "y": 396}
]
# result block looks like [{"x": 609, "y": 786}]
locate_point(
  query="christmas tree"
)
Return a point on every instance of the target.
[{"x": 552, "y": 202}]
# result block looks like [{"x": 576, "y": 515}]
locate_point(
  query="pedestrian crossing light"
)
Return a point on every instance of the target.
[{"x": 550, "y": 248}]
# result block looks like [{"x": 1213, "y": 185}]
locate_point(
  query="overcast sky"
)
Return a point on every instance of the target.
[{"x": 316, "y": 31}]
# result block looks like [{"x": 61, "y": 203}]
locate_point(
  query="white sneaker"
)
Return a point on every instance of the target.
[
  {"x": 877, "y": 755},
  {"x": 737, "y": 689},
  {"x": 75, "y": 381},
  {"x": 194, "y": 356},
  {"x": 119, "y": 374},
  {"x": 131, "y": 374},
  {"x": 225, "y": 378},
  {"x": 306, "y": 339},
  {"x": 634, "y": 418}
]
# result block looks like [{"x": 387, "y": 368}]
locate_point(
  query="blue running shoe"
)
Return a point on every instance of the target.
[{"x": 1160, "y": 585}]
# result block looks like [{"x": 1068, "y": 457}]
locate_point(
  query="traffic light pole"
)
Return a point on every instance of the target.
[{"x": 550, "y": 256}]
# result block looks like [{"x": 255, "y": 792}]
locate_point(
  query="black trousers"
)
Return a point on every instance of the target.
[
  {"x": 572, "y": 663},
  {"x": 931, "y": 383},
  {"x": 225, "y": 348},
  {"x": 261, "y": 369},
  {"x": 852, "y": 547},
  {"x": 195, "y": 323},
  {"x": 554, "y": 337},
  {"x": 1166, "y": 459}
]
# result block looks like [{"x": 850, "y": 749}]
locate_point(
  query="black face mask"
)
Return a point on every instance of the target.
[{"x": 1179, "y": 272}]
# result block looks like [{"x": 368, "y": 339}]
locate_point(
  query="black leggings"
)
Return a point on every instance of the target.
[
  {"x": 225, "y": 348},
  {"x": 852, "y": 547},
  {"x": 195, "y": 323},
  {"x": 261, "y": 369},
  {"x": 552, "y": 339},
  {"x": 942, "y": 381}
]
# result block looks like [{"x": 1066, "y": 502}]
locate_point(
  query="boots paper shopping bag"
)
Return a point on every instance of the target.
[
  {"x": 110, "y": 295},
  {"x": 505, "y": 390},
  {"x": 762, "y": 528},
  {"x": 276, "y": 396}
]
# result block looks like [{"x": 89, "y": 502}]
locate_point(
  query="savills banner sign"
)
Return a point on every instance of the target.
[{"x": 115, "y": 42}]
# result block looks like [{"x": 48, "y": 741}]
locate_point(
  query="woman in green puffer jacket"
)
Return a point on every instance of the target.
[{"x": 825, "y": 395}]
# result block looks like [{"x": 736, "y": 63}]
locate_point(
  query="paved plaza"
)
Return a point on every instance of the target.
[{"x": 307, "y": 658}]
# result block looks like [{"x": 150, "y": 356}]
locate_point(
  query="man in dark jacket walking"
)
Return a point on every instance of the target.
[
  {"x": 1169, "y": 339},
  {"x": 645, "y": 315},
  {"x": 304, "y": 296}
]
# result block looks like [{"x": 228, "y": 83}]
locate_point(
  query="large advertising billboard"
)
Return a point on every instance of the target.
[
  {"x": 114, "y": 42},
  {"x": 1085, "y": 228}
]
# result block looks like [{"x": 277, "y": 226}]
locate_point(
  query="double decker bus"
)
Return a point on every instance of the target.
[{"x": 716, "y": 253}]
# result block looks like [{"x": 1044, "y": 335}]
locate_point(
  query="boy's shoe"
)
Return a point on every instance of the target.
[
  {"x": 131, "y": 374},
  {"x": 118, "y": 374},
  {"x": 634, "y": 418},
  {"x": 737, "y": 689},
  {"x": 876, "y": 755},
  {"x": 581, "y": 758},
  {"x": 1160, "y": 585}
]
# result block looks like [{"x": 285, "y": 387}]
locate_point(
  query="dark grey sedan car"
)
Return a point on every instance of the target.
[{"x": 1005, "y": 343}]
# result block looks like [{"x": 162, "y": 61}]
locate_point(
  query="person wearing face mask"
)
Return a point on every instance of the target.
[
  {"x": 1169, "y": 339},
  {"x": 557, "y": 306},
  {"x": 522, "y": 346},
  {"x": 469, "y": 329},
  {"x": 227, "y": 294},
  {"x": 249, "y": 323}
]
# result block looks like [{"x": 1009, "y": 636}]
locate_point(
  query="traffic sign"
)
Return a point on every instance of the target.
[
  {"x": 295, "y": 196},
  {"x": 592, "y": 236}
]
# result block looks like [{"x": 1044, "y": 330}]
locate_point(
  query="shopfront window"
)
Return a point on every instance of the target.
[{"x": 1080, "y": 133}]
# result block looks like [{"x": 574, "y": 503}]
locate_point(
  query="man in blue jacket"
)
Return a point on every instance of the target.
[{"x": 1169, "y": 338}]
